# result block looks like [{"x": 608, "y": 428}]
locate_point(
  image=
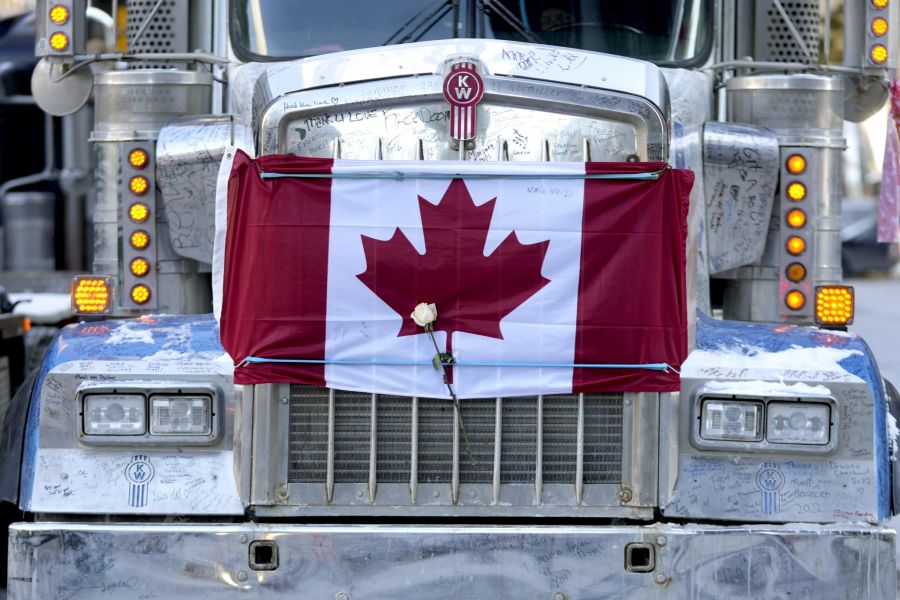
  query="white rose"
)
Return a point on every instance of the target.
[{"x": 425, "y": 314}]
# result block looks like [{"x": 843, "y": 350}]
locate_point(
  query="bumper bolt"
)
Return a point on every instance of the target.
[
  {"x": 342, "y": 596},
  {"x": 625, "y": 494},
  {"x": 560, "y": 596},
  {"x": 242, "y": 538},
  {"x": 661, "y": 540},
  {"x": 241, "y": 576},
  {"x": 283, "y": 493},
  {"x": 661, "y": 578}
]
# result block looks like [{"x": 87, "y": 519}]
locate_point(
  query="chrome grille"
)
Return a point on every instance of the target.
[{"x": 558, "y": 439}]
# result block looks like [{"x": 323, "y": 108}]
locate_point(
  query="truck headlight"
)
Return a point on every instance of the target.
[
  {"x": 797, "y": 423},
  {"x": 173, "y": 415},
  {"x": 732, "y": 420},
  {"x": 114, "y": 414}
]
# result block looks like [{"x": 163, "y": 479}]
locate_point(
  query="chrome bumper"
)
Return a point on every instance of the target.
[{"x": 55, "y": 560}]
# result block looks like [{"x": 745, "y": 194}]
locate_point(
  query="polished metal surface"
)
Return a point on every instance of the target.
[
  {"x": 538, "y": 101},
  {"x": 764, "y": 483},
  {"x": 28, "y": 228},
  {"x": 188, "y": 154},
  {"x": 691, "y": 562},
  {"x": 133, "y": 104},
  {"x": 740, "y": 178},
  {"x": 315, "y": 453},
  {"x": 73, "y": 477}
]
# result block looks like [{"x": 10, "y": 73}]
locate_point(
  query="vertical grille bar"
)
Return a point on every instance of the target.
[
  {"x": 498, "y": 435},
  {"x": 329, "y": 477},
  {"x": 539, "y": 454},
  {"x": 579, "y": 457},
  {"x": 414, "y": 451},
  {"x": 454, "y": 479},
  {"x": 373, "y": 450}
]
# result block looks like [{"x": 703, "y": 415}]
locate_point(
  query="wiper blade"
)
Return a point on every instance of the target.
[
  {"x": 511, "y": 19},
  {"x": 424, "y": 20}
]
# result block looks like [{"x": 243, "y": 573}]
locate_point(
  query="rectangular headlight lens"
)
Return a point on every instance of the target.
[
  {"x": 114, "y": 414},
  {"x": 798, "y": 423},
  {"x": 179, "y": 415},
  {"x": 732, "y": 420}
]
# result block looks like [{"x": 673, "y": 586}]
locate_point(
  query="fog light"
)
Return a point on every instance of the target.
[
  {"x": 114, "y": 414},
  {"x": 796, "y": 164},
  {"x": 798, "y": 423},
  {"x": 171, "y": 415},
  {"x": 834, "y": 305},
  {"x": 91, "y": 295},
  {"x": 59, "y": 41},
  {"x": 138, "y": 185},
  {"x": 732, "y": 420},
  {"x": 59, "y": 14},
  {"x": 878, "y": 53},
  {"x": 796, "y": 191},
  {"x": 137, "y": 158},
  {"x": 140, "y": 294},
  {"x": 139, "y": 240}
]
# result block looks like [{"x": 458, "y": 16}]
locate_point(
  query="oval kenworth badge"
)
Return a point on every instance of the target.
[{"x": 463, "y": 88}]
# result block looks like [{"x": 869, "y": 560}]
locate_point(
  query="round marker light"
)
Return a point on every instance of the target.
[
  {"x": 879, "y": 4},
  {"x": 137, "y": 158},
  {"x": 878, "y": 53},
  {"x": 796, "y": 164},
  {"x": 795, "y": 245},
  {"x": 795, "y": 300},
  {"x": 59, "y": 41},
  {"x": 879, "y": 26},
  {"x": 795, "y": 272},
  {"x": 796, "y": 218},
  {"x": 140, "y": 239},
  {"x": 59, "y": 14},
  {"x": 138, "y": 212},
  {"x": 140, "y": 294},
  {"x": 138, "y": 185},
  {"x": 796, "y": 191},
  {"x": 139, "y": 267}
]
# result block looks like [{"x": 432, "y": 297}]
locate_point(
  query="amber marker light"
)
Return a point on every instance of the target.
[
  {"x": 795, "y": 300},
  {"x": 879, "y": 4},
  {"x": 878, "y": 53},
  {"x": 796, "y": 191},
  {"x": 834, "y": 305},
  {"x": 140, "y": 294},
  {"x": 796, "y": 218},
  {"x": 795, "y": 245},
  {"x": 137, "y": 158},
  {"x": 59, "y": 15},
  {"x": 59, "y": 41},
  {"x": 138, "y": 185},
  {"x": 138, "y": 212},
  {"x": 91, "y": 295},
  {"x": 796, "y": 164},
  {"x": 139, "y": 267},
  {"x": 879, "y": 26},
  {"x": 795, "y": 272},
  {"x": 140, "y": 239}
]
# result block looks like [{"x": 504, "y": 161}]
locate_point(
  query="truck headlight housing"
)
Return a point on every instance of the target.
[
  {"x": 114, "y": 414},
  {"x": 173, "y": 415},
  {"x": 797, "y": 423},
  {"x": 732, "y": 420}
]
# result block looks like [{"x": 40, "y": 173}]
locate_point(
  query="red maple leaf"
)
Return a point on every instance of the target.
[{"x": 473, "y": 292}]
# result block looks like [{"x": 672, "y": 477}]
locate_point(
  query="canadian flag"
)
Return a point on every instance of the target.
[{"x": 547, "y": 277}]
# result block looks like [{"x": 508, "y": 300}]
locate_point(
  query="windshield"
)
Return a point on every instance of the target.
[{"x": 664, "y": 31}]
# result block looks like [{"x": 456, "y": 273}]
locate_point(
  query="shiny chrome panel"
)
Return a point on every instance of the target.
[{"x": 210, "y": 561}]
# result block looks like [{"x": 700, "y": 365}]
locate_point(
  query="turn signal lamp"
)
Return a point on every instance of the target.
[
  {"x": 59, "y": 14},
  {"x": 796, "y": 164},
  {"x": 834, "y": 305},
  {"x": 878, "y": 53},
  {"x": 139, "y": 267},
  {"x": 59, "y": 41},
  {"x": 796, "y": 245},
  {"x": 138, "y": 212},
  {"x": 91, "y": 295},
  {"x": 795, "y": 300},
  {"x": 138, "y": 185},
  {"x": 795, "y": 272},
  {"x": 140, "y": 294},
  {"x": 796, "y": 218},
  {"x": 140, "y": 239},
  {"x": 879, "y": 4},
  {"x": 796, "y": 191},
  {"x": 879, "y": 26},
  {"x": 137, "y": 158}
]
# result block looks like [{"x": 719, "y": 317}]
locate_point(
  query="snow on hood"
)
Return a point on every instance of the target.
[{"x": 751, "y": 362}]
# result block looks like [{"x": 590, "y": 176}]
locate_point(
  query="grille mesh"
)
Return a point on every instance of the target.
[{"x": 308, "y": 438}]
